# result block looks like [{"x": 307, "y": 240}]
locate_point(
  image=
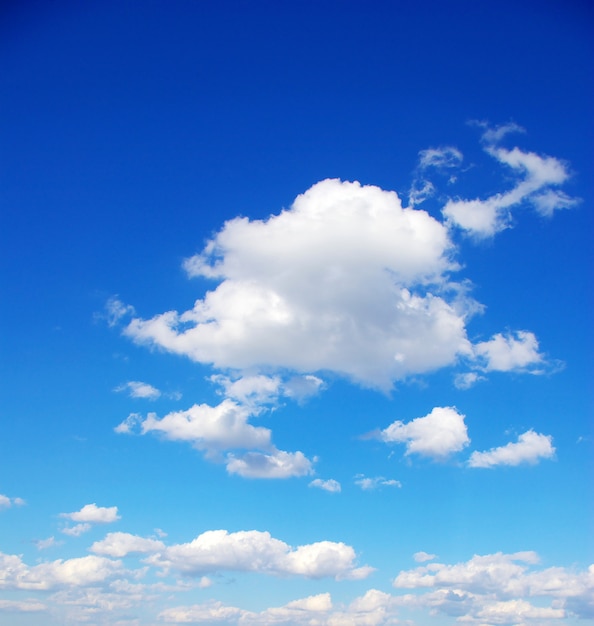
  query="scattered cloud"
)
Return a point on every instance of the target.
[
  {"x": 467, "y": 380},
  {"x": 331, "y": 485},
  {"x": 115, "y": 311},
  {"x": 45, "y": 544},
  {"x": 89, "y": 514},
  {"x": 7, "y": 503},
  {"x": 537, "y": 180},
  {"x": 275, "y": 464},
  {"x": 437, "y": 435},
  {"x": 531, "y": 447},
  {"x": 505, "y": 353},
  {"x": 497, "y": 588},
  {"x": 137, "y": 389},
  {"x": 77, "y": 572},
  {"x": 22, "y": 606},
  {"x": 440, "y": 160},
  {"x": 224, "y": 427},
  {"x": 421, "y": 557},
  {"x": 249, "y": 551},
  {"x": 369, "y": 484}
]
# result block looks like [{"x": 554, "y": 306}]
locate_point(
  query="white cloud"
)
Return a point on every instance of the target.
[
  {"x": 446, "y": 157},
  {"x": 345, "y": 280},
  {"x": 508, "y": 353},
  {"x": 6, "y": 502},
  {"x": 276, "y": 464},
  {"x": 368, "y": 484},
  {"x": 537, "y": 179},
  {"x": 255, "y": 551},
  {"x": 138, "y": 389},
  {"x": 94, "y": 514},
  {"x": 44, "y": 544},
  {"x": 208, "y": 427},
  {"x": 120, "y": 544},
  {"x": 467, "y": 380},
  {"x": 331, "y": 485},
  {"x": 22, "y": 606},
  {"x": 215, "y": 429},
  {"x": 116, "y": 310},
  {"x": 77, "y": 572},
  {"x": 252, "y": 391},
  {"x": 531, "y": 447},
  {"x": 77, "y": 530},
  {"x": 421, "y": 557},
  {"x": 439, "y": 434},
  {"x": 496, "y": 588}
]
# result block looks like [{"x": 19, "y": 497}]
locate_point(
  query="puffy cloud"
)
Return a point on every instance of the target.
[
  {"x": 439, "y": 434},
  {"x": 538, "y": 177},
  {"x": 120, "y": 545},
  {"x": 345, "y": 280},
  {"x": 368, "y": 484},
  {"x": 255, "y": 551},
  {"x": 531, "y": 447},
  {"x": 331, "y": 485},
  {"x": 6, "y": 502},
  {"x": 496, "y": 589},
  {"x": 138, "y": 389},
  {"x": 78, "y": 572},
  {"x": 209, "y": 427},
  {"x": 225, "y": 426},
  {"x": 421, "y": 557},
  {"x": 371, "y": 609},
  {"x": 89, "y": 514},
  {"x": 508, "y": 353},
  {"x": 276, "y": 464}
]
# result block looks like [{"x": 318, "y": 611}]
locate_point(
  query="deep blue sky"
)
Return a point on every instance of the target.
[{"x": 129, "y": 134}]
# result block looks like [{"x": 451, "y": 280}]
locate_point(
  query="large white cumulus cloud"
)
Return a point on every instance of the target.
[{"x": 345, "y": 280}]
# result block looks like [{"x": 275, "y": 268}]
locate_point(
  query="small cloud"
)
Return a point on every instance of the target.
[
  {"x": 467, "y": 380},
  {"x": 369, "y": 484},
  {"x": 115, "y": 310},
  {"x": 505, "y": 353},
  {"x": 77, "y": 530},
  {"x": 331, "y": 485},
  {"x": 440, "y": 158},
  {"x": 437, "y": 435},
  {"x": 89, "y": 514},
  {"x": 277, "y": 464},
  {"x": 530, "y": 448},
  {"x": 137, "y": 389},
  {"x": 6, "y": 502},
  {"x": 422, "y": 557},
  {"x": 129, "y": 424},
  {"x": 94, "y": 514},
  {"x": 44, "y": 544}
]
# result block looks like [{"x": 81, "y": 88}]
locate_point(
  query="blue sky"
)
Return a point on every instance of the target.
[{"x": 296, "y": 313}]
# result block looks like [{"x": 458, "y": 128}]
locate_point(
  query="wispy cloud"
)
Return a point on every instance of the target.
[
  {"x": 369, "y": 484},
  {"x": 331, "y": 485},
  {"x": 537, "y": 180}
]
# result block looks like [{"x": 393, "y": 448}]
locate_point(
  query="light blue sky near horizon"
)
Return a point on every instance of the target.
[{"x": 131, "y": 136}]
